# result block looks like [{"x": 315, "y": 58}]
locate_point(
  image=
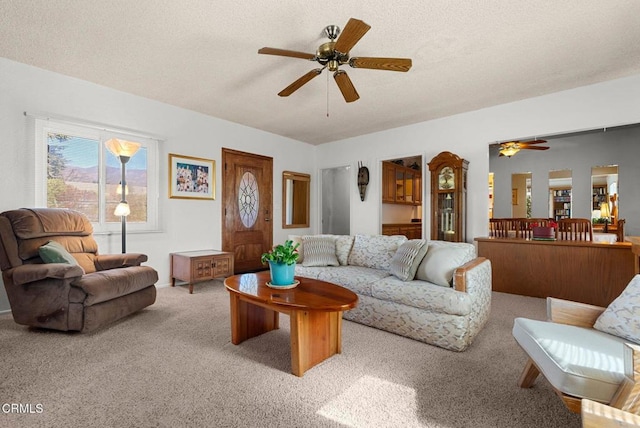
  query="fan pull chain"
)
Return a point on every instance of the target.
[{"x": 327, "y": 94}]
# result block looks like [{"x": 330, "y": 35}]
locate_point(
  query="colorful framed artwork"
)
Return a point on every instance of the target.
[{"x": 191, "y": 178}]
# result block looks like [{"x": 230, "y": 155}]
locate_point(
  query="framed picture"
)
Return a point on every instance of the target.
[
  {"x": 514, "y": 196},
  {"x": 191, "y": 178}
]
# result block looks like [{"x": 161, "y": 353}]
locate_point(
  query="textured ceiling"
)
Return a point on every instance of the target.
[{"x": 202, "y": 54}]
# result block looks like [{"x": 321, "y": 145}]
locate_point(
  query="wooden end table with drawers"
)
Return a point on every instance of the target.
[{"x": 201, "y": 265}]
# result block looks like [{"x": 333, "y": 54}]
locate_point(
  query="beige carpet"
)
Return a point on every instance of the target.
[{"x": 172, "y": 365}]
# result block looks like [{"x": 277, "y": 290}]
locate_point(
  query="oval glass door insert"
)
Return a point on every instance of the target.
[{"x": 248, "y": 199}]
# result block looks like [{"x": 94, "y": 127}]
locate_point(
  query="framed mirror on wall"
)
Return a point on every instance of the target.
[
  {"x": 295, "y": 199},
  {"x": 605, "y": 196},
  {"x": 521, "y": 195},
  {"x": 560, "y": 192}
]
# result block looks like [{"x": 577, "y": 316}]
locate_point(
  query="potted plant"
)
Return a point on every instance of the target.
[{"x": 282, "y": 263}]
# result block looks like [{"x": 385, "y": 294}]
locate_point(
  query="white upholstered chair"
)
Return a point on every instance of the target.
[{"x": 580, "y": 361}]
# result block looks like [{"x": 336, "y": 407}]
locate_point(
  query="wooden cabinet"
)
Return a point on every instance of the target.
[
  {"x": 401, "y": 185},
  {"x": 410, "y": 230},
  {"x": 198, "y": 266},
  {"x": 448, "y": 197},
  {"x": 417, "y": 189},
  {"x": 388, "y": 183}
]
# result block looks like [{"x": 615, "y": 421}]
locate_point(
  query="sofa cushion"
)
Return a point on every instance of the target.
[
  {"x": 375, "y": 251},
  {"x": 442, "y": 259},
  {"x": 109, "y": 284},
  {"x": 41, "y": 222},
  {"x": 406, "y": 260},
  {"x": 344, "y": 243},
  {"x": 356, "y": 278},
  {"x": 423, "y": 295},
  {"x": 319, "y": 251},
  {"x": 622, "y": 316},
  {"x": 578, "y": 361},
  {"x": 309, "y": 271}
]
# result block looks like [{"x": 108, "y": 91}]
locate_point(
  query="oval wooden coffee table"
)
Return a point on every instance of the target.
[{"x": 315, "y": 308}]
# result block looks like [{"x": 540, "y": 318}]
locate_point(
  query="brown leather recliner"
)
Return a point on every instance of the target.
[{"x": 99, "y": 290}]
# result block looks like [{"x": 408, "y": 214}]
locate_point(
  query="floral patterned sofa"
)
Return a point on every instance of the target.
[{"x": 436, "y": 292}]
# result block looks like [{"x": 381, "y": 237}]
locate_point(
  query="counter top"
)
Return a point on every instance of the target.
[{"x": 559, "y": 242}]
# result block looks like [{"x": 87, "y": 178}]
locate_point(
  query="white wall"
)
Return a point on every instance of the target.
[
  {"x": 469, "y": 134},
  {"x": 196, "y": 224},
  {"x": 578, "y": 154},
  {"x": 186, "y": 224}
]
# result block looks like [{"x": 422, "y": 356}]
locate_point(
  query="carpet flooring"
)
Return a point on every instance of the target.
[{"x": 173, "y": 365}]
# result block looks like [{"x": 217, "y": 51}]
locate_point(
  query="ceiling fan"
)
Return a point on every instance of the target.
[
  {"x": 510, "y": 148},
  {"x": 335, "y": 53}
]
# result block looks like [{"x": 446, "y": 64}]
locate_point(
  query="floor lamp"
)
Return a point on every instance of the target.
[{"x": 123, "y": 150}]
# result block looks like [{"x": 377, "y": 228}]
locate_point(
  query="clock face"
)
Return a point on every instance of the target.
[{"x": 446, "y": 179}]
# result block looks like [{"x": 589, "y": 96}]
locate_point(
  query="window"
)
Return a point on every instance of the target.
[{"x": 75, "y": 170}]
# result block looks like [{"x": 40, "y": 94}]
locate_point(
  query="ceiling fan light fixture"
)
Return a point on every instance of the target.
[{"x": 509, "y": 151}]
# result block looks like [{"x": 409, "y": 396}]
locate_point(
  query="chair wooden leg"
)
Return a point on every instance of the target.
[
  {"x": 627, "y": 397},
  {"x": 529, "y": 375}
]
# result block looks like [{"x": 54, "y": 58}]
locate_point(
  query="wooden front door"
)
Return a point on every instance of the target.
[{"x": 247, "y": 206}]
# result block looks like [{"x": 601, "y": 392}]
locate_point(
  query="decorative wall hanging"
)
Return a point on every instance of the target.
[
  {"x": 191, "y": 178},
  {"x": 363, "y": 179}
]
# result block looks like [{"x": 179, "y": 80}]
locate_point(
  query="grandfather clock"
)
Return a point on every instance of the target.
[{"x": 448, "y": 197}]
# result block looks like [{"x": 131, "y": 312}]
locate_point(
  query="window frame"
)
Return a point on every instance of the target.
[{"x": 45, "y": 126}]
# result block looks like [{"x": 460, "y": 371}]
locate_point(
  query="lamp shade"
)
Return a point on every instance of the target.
[
  {"x": 119, "y": 189},
  {"x": 604, "y": 210},
  {"x": 122, "y": 210},
  {"x": 122, "y": 147}
]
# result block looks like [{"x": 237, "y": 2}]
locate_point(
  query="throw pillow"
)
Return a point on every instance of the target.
[
  {"x": 54, "y": 252},
  {"x": 622, "y": 316},
  {"x": 405, "y": 262},
  {"x": 440, "y": 262},
  {"x": 375, "y": 251},
  {"x": 343, "y": 248},
  {"x": 319, "y": 251}
]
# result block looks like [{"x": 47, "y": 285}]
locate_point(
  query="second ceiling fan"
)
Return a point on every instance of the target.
[
  {"x": 510, "y": 148},
  {"x": 335, "y": 53}
]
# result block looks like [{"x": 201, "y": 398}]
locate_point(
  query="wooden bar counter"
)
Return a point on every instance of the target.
[{"x": 588, "y": 272}]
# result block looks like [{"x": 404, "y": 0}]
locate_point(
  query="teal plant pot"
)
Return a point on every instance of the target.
[{"x": 282, "y": 273}]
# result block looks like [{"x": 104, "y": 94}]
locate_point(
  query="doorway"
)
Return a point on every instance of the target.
[
  {"x": 247, "y": 206},
  {"x": 336, "y": 201}
]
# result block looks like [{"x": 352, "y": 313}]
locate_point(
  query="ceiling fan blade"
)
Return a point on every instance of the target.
[
  {"x": 346, "y": 86},
  {"x": 300, "y": 82},
  {"x": 350, "y": 35},
  {"x": 532, "y": 142},
  {"x": 534, "y": 147},
  {"x": 391, "y": 64},
  {"x": 284, "y": 52}
]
